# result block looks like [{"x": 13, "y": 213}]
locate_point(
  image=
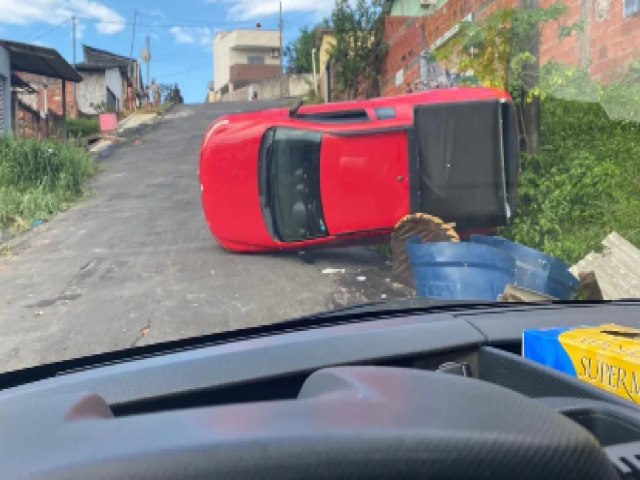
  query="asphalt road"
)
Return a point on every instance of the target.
[{"x": 135, "y": 263}]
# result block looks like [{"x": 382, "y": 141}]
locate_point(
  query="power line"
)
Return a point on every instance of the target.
[
  {"x": 48, "y": 31},
  {"x": 189, "y": 69}
]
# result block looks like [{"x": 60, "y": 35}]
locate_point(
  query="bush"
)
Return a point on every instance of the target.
[
  {"x": 39, "y": 178},
  {"x": 82, "y": 127},
  {"x": 584, "y": 183}
]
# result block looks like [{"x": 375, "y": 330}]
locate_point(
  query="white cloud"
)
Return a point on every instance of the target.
[
  {"x": 202, "y": 36},
  {"x": 21, "y": 12},
  {"x": 250, "y": 9}
]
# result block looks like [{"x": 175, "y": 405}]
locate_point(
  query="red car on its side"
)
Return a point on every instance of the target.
[{"x": 343, "y": 173}]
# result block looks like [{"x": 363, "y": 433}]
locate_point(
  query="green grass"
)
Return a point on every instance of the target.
[
  {"x": 38, "y": 179},
  {"x": 583, "y": 184},
  {"x": 82, "y": 127}
]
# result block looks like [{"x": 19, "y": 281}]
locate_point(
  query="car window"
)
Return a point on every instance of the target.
[{"x": 294, "y": 185}]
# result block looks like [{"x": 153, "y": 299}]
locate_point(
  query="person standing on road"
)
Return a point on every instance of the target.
[
  {"x": 155, "y": 89},
  {"x": 131, "y": 96},
  {"x": 147, "y": 97}
]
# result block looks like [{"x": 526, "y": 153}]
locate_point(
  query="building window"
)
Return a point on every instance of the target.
[
  {"x": 255, "y": 60},
  {"x": 275, "y": 53},
  {"x": 631, "y": 7}
]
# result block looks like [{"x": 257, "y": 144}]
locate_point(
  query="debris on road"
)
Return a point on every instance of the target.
[
  {"x": 516, "y": 294},
  {"x": 331, "y": 271},
  {"x": 429, "y": 229},
  {"x": 616, "y": 269},
  {"x": 361, "y": 279}
]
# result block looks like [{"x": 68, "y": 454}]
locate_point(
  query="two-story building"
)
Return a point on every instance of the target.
[{"x": 243, "y": 57}]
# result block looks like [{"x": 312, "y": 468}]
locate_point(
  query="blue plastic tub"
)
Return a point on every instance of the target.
[
  {"x": 535, "y": 270},
  {"x": 459, "y": 271}
]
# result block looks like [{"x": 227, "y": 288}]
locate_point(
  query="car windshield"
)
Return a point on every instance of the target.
[
  {"x": 170, "y": 170},
  {"x": 293, "y": 169}
]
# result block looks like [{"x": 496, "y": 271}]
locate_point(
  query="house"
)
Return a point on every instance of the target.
[
  {"x": 244, "y": 57},
  {"x": 609, "y": 41},
  {"x": 40, "y": 82},
  {"x": 105, "y": 76},
  {"x": 325, "y": 41}
]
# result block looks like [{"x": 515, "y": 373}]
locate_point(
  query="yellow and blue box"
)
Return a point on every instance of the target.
[{"x": 607, "y": 357}]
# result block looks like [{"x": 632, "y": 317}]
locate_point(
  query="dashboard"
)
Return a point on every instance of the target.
[{"x": 442, "y": 393}]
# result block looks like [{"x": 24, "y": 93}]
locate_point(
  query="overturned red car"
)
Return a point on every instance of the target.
[{"x": 345, "y": 173}]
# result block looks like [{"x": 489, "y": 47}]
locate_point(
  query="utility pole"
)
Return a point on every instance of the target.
[
  {"x": 148, "y": 82},
  {"x": 133, "y": 38},
  {"x": 73, "y": 24},
  {"x": 281, "y": 55}
]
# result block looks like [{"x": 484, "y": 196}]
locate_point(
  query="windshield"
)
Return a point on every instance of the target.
[
  {"x": 178, "y": 169},
  {"x": 293, "y": 185}
]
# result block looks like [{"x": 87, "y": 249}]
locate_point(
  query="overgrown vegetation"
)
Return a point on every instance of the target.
[
  {"x": 82, "y": 127},
  {"x": 299, "y": 52},
  {"x": 360, "y": 48},
  {"x": 585, "y": 182},
  {"x": 38, "y": 179}
]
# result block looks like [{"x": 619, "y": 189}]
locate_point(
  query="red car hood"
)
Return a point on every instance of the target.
[{"x": 229, "y": 182}]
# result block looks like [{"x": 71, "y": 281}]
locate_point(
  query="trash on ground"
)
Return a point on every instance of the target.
[
  {"x": 334, "y": 270},
  {"x": 616, "y": 269},
  {"x": 36, "y": 223},
  {"x": 361, "y": 279},
  {"x": 516, "y": 295},
  {"x": 429, "y": 229},
  {"x": 535, "y": 271},
  {"x": 602, "y": 356},
  {"x": 482, "y": 268}
]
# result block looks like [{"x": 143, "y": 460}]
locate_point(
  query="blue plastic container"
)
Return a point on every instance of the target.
[
  {"x": 459, "y": 271},
  {"x": 535, "y": 270}
]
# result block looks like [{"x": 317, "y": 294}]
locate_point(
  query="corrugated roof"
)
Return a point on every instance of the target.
[
  {"x": 617, "y": 268},
  {"x": 39, "y": 60},
  {"x": 20, "y": 84},
  {"x": 96, "y": 67},
  {"x": 96, "y": 56}
]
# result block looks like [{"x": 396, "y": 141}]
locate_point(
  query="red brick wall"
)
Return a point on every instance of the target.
[
  {"x": 54, "y": 94},
  {"x": 613, "y": 40},
  {"x": 404, "y": 37}
]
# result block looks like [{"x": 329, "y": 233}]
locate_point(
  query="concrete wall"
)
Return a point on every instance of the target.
[
  {"x": 294, "y": 86},
  {"x": 91, "y": 90},
  {"x": 5, "y": 75}
]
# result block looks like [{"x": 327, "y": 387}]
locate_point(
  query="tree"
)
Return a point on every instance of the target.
[
  {"x": 360, "y": 48},
  {"x": 502, "y": 51},
  {"x": 298, "y": 52}
]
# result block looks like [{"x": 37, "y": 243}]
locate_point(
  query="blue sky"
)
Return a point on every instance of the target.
[{"x": 181, "y": 31}]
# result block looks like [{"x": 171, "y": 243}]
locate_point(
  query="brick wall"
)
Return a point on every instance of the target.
[
  {"x": 404, "y": 37},
  {"x": 609, "y": 43},
  {"x": 53, "y": 96}
]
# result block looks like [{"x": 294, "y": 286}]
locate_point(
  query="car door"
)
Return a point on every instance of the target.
[{"x": 364, "y": 180}]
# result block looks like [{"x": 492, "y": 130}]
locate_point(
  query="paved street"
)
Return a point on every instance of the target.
[{"x": 135, "y": 263}]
